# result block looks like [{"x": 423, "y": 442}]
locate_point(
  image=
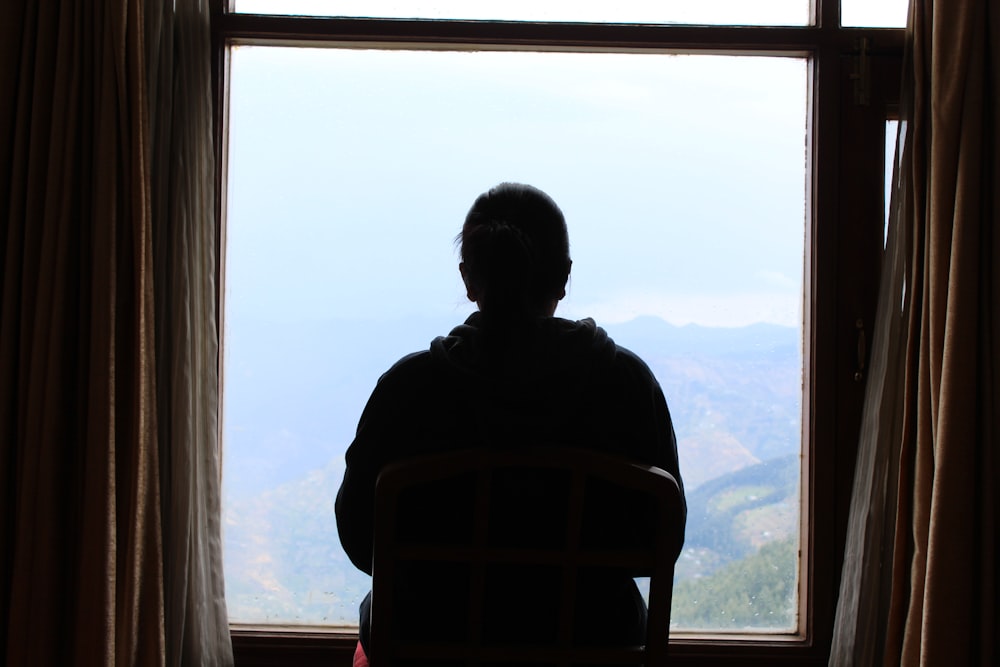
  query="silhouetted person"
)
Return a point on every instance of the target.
[{"x": 512, "y": 374}]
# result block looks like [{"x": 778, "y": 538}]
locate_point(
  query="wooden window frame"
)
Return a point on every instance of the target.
[{"x": 854, "y": 76}]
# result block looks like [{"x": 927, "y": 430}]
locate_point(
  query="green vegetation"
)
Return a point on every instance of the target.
[
  {"x": 730, "y": 499},
  {"x": 725, "y": 514},
  {"x": 758, "y": 592}
]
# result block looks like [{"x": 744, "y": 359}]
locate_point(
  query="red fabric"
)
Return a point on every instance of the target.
[{"x": 360, "y": 659}]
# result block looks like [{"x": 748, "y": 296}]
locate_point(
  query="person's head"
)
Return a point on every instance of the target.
[{"x": 515, "y": 253}]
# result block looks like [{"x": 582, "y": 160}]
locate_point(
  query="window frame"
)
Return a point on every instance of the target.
[{"x": 845, "y": 191}]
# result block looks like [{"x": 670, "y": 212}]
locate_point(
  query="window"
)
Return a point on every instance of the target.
[
  {"x": 611, "y": 78},
  {"x": 687, "y": 233},
  {"x": 891, "y": 138},
  {"x": 878, "y": 14}
]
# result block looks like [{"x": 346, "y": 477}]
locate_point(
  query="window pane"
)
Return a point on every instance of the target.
[
  {"x": 707, "y": 12},
  {"x": 350, "y": 171},
  {"x": 891, "y": 132},
  {"x": 873, "y": 13},
  {"x": 891, "y": 138}
]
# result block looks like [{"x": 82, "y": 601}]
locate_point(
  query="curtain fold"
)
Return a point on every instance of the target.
[
  {"x": 109, "y": 534},
  {"x": 81, "y": 468},
  {"x": 920, "y": 585}
]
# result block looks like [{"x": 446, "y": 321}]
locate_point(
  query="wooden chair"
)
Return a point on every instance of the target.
[{"x": 459, "y": 519}]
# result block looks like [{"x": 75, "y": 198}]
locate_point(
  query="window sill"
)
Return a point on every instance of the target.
[{"x": 267, "y": 646}]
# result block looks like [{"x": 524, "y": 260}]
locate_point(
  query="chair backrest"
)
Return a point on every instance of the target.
[{"x": 472, "y": 522}]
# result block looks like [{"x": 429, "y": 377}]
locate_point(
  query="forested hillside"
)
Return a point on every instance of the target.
[{"x": 735, "y": 397}]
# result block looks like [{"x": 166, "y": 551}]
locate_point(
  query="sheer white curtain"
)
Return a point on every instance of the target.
[{"x": 185, "y": 249}]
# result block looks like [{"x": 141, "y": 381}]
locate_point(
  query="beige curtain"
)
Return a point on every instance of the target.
[
  {"x": 920, "y": 584},
  {"x": 109, "y": 521}
]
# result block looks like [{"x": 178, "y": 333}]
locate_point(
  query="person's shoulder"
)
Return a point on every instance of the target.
[
  {"x": 406, "y": 382},
  {"x": 410, "y": 368},
  {"x": 630, "y": 360},
  {"x": 627, "y": 356},
  {"x": 633, "y": 369},
  {"x": 413, "y": 362}
]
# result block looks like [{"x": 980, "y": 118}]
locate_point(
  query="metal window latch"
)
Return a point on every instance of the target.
[
  {"x": 859, "y": 369},
  {"x": 861, "y": 76}
]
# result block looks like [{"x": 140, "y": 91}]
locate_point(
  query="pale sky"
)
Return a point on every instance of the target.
[{"x": 682, "y": 179}]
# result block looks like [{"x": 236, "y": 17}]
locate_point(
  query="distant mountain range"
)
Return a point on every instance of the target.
[{"x": 734, "y": 394}]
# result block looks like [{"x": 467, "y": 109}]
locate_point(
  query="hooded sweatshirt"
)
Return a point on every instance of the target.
[{"x": 550, "y": 381}]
